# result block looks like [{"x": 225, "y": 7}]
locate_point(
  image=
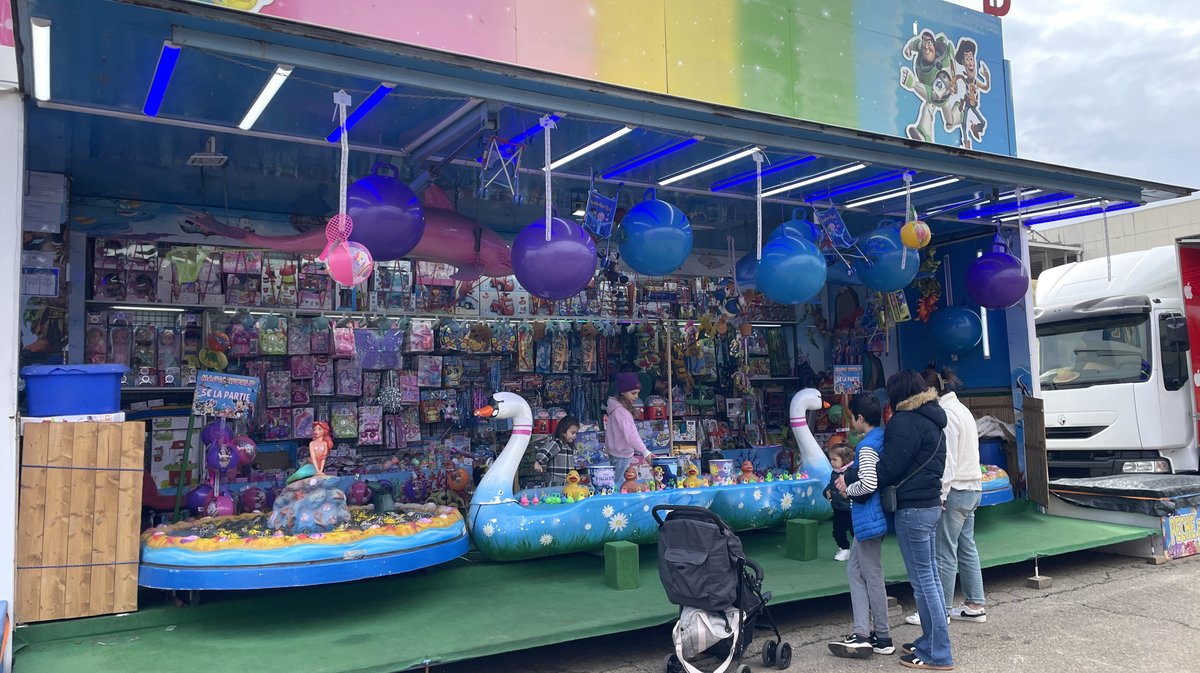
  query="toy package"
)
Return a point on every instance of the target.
[
  {"x": 429, "y": 371},
  {"x": 371, "y": 382},
  {"x": 108, "y": 285},
  {"x": 543, "y": 355},
  {"x": 343, "y": 342},
  {"x": 278, "y": 424},
  {"x": 420, "y": 337},
  {"x": 279, "y": 389},
  {"x": 299, "y": 336},
  {"x": 368, "y": 344},
  {"x": 190, "y": 355},
  {"x": 191, "y": 275},
  {"x": 241, "y": 290},
  {"x": 272, "y": 335},
  {"x": 370, "y": 425},
  {"x": 526, "y": 349},
  {"x": 323, "y": 377},
  {"x": 302, "y": 422},
  {"x": 301, "y": 366},
  {"x": 452, "y": 371},
  {"x": 393, "y": 432},
  {"x": 141, "y": 286},
  {"x": 278, "y": 281},
  {"x": 411, "y": 420},
  {"x": 95, "y": 349},
  {"x": 242, "y": 342},
  {"x": 343, "y": 418},
  {"x": 301, "y": 392},
  {"x": 168, "y": 357},
  {"x": 247, "y": 262},
  {"x": 349, "y": 378},
  {"x": 410, "y": 389},
  {"x": 143, "y": 361},
  {"x": 322, "y": 337},
  {"x": 315, "y": 286}
]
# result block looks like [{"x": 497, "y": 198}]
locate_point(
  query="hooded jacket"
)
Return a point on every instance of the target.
[
  {"x": 621, "y": 437},
  {"x": 912, "y": 437}
]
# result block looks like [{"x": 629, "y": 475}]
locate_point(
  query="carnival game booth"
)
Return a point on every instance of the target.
[{"x": 388, "y": 231}]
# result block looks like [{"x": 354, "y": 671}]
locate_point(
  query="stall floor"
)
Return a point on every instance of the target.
[{"x": 466, "y": 609}]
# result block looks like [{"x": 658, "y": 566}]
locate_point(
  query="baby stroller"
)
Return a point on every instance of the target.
[{"x": 718, "y": 591}]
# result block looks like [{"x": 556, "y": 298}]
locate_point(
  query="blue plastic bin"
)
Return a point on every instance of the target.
[
  {"x": 991, "y": 452},
  {"x": 68, "y": 390}
]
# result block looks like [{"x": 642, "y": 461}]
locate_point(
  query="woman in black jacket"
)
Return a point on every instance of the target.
[{"x": 914, "y": 457}]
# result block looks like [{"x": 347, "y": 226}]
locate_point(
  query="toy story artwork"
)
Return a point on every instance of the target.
[{"x": 949, "y": 80}]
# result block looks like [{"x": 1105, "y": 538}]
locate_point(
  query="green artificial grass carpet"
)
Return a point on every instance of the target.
[{"x": 467, "y": 609}]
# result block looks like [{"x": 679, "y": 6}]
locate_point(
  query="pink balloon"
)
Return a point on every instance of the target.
[{"x": 349, "y": 263}]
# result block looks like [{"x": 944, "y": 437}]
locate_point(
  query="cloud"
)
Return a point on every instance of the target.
[{"x": 1107, "y": 85}]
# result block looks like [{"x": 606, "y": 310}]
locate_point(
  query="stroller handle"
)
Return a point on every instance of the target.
[
  {"x": 758, "y": 571},
  {"x": 702, "y": 511}
]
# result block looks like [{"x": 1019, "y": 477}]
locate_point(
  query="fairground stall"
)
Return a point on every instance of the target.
[{"x": 318, "y": 275}]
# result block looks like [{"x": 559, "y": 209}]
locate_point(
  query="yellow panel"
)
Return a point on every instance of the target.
[
  {"x": 632, "y": 43},
  {"x": 702, "y": 56}
]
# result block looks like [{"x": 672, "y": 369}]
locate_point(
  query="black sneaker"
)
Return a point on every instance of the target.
[
  {"x": 852, "y": 646},
  {"x": 882, "y": 645},
  {"x": 908, "y": 648},
  {"x": 913, "y": 661}
]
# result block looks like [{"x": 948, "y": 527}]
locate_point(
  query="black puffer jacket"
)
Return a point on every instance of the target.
[{"x": 911, "y": 437}]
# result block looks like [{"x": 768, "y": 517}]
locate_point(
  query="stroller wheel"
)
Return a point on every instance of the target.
[
  {"x": 743, "y": 669},
  {"x": 785, "y": 656},
  {"x": 671, "y": 664},
  {"x": 769, "y": 653}
]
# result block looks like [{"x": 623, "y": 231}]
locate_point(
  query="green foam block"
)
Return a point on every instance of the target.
[
  {"x": 800, "y": 540},
  {"x": 621, "y": 565}
]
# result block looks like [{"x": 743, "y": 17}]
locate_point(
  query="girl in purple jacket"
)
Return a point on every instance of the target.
[{"x": 621, "y": 437}]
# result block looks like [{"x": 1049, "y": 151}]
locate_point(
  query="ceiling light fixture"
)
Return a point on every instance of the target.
[
  {"x": 167, "y": 59},
  {"x": 590, "y": 147},
  {"x": 702, "y": 168},
  {"x": 41, "y": 58},
  {"x": 652, "y": 155},
  {"x": 363, "y": 108},
  {"x": 814, "y": 179},
  {"x": 750, "y": 175},
  {"x": 282, "y": 72},
  {"x": 924, "y": 186}
]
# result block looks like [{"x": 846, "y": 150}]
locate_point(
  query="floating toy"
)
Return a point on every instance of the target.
[{"x": 573, "y": 489}]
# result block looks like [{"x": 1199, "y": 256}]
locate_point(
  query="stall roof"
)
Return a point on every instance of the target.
[{"x": 441, "y": 112}]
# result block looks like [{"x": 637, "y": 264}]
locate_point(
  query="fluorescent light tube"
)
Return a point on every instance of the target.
[
  {"x": 987, "y": 346},
  {"x": 163, "y": 309},
  {"x": 264, "y": 97},
  {"x": 578, "y": 213},
  {"x": 709, "y": 166},
  {"x": 41, "y": 58},
  {"x": 750, "y": 175},
  {"x": 363, "y": 108},
  {"x": 437, "y": 128},
  {"x": 1050, "y": 211},
  {"x": 167, "y": 59},
  {"x": 652, "y": 155},
  {"x": 828, "y": 175},
  {"x": 587, "y": 149},
  {"x": 932, "y": 184}
]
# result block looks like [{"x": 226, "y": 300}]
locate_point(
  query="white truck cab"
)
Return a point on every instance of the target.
[{"x": 1115, "y": 366}]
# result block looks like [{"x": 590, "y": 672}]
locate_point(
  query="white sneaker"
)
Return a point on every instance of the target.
[
  {"x": 966, "y": 614},
  {"x": 915, "y": 619},
  {"x": 842, "y": 555}
]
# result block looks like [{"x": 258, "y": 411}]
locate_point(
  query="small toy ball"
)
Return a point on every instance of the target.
[
  {"x": 955, "y": 329},
  {"x": 246, "y": 448},
  {"x": 222, "y": 505},
  {"x": 556, "y": 269},
  {"x": 211, "y": 360},
  {"x": 218, "y": 341},
  {"x": 792, "y": 270},
  {"x": 216, "y": 432},
  {"x": 388, "y": 218},
  {"x": 349, "y": 263},
  {"x": 198, "y": 498},
  {"x": 889, "y": 265},
  {"x": 997, "y": 279},
  {"x": 797, "y": 227},
  {"x": 221, "y": 457},
  {"x": 746, "y": 272},
  {"x": 915, "y": 234},
  {"x": 253, "y": 499},
  {"x": 655, "y": 237},
  {"x": 358, "y": 493}
]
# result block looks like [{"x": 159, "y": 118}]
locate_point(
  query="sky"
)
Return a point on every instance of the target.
[{"x": 1107, "y": 85}]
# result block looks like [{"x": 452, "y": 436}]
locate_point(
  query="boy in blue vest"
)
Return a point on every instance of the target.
[{"x": 868, "y": 595}]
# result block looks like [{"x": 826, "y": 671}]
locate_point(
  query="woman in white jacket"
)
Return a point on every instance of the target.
[{"x": 961, "y": 490}]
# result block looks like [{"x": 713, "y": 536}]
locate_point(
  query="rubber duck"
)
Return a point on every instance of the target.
[
  {"x": 525, "y": 499},
  {"x": 692, "y": 480},
  {"x": 573, "y": 490},
  {"x": 535, "y": 500},
  {"x": 747, "y": 476},
  {"x": 770, "y": 477},
  {"x": 631, "y": 484}
]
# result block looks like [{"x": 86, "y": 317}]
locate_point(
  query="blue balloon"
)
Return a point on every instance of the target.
[
  {"x": 889, "y": 265},
  {"x": 746, "y": 272},
  {"x": 791, "y": 271},
  {"x": 955, "y": 329},
  {"x": 797, "y": 227},
  {"x": 656, "y": 237}
]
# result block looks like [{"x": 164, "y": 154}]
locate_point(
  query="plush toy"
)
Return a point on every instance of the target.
[
  {"x": 631, "y": 484},
  {"x": 747, "y": 476},
  {"x": 573, "y": 489}
]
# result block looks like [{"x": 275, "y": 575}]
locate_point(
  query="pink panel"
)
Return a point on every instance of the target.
[
  {"x": 469, "y": 27},
  {"x": 6, "y": 25},
  {"x": 558, "y": 36}
]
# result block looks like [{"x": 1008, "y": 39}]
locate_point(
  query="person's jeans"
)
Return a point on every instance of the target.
[
  {"x": 868, "y": 594},
  {"x": 619, "y": 467},
  {"x": 916, "y": 529},
  {"x": 956, "y": 552}
]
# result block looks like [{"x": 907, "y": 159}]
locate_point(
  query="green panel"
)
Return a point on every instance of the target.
[
  {"x": 764, "y": 47},
  {"x": 823, "y": 62}
]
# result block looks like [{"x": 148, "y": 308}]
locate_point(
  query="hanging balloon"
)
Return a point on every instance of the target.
[
  {"x": 221, "y": 458},
  {"x": 955, "y": 329},
  {"x": 198, "y": 498},
  {"x": 656, "y": 237},
  {"x": 997, "y": 279},
  {"x": 915, "y": 234},
  {"x": 746, "y": 272},
  {"x": 222, "y": 505},
  {"x": 246, "y": 449},
  {"x": 797, "y": 227},
  {"x": 253, "y": 499},
  {"x": 885, "y": 269},
  {"x": 216, "y": 432},
  {"x": 388, "y": 218},
  {"x": 349, "y": 263},
  {"x": 791, "y": 271},
  {"x": 556, "y": 269}
]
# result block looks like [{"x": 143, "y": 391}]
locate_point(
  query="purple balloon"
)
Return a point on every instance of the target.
[
  {"x": 198, "y": 498},
  {"x": 997, "y": 279},
  {"x": 216, "y": 432},
  {"x": 253, "y": 499},
  {"x": 556, "y": 269},
  {"x": 388, "y": 218},
  {"x": 221, "y": 457},
  {"x": 222, "y": 505},
  {"x": 246, "y": 448}
]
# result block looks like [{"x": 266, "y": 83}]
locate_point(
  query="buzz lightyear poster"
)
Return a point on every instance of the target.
[{"x": 948, "y": 79}]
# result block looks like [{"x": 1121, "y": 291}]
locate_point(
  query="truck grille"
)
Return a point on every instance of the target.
[{"x": 1074, "y": 432}]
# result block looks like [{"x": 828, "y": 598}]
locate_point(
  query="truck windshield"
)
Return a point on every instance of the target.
[{"x": 1083, "y": 353}]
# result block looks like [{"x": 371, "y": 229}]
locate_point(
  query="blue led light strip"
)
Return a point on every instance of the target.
[
  {"x": 853, "y": 186},
  {"x": 750, "y": 175},
  {"x": 1095, "y": 210},
  {"x": 361, "y": 111},
  {"x": 643, "y": 159},
  {"x": 989, "y": 211},
  {"x": 167, "y": 59}
]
